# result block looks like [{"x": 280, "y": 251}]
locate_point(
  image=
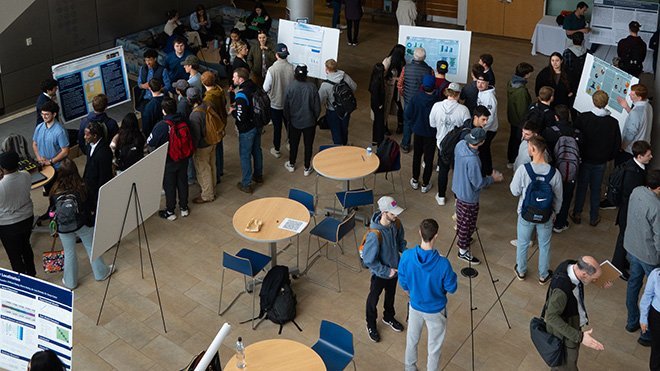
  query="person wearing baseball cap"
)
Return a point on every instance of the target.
[
  {"x": 278, "y": 77},
  {"x": 417, "y": 112},
  {"x": 384, "y": 242},
  {"x": 441, "y": 83},
  {"x": 182, "y": 106},
  {"x": 191, "y": 65},
  {"x": 466, "y": 185},
  {"x": 487, "y": 98},
  {"x": 632, "y": 51}
]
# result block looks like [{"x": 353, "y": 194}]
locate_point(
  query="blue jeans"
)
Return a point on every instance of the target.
[
  {"x": 219, "y": 161},
  {"x": 638, "y": 269},
  {"x": 544, "y": 232},
  {"x": 591, "y": 175},
  {"x": 407, "y": 130},
  {"x": 99, "y": 268},
  {"x": 338, "y": 127},
  {"x": 336, "y": 9},
  {"x": 249, "y": 149}
]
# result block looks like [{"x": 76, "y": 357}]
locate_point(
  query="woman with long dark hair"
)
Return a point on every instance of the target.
[
  {"x": 377, "y": 90},
  {"x": 260, "y": 58},
  {"x": 200, "y": 22},
  {"x": 128, "y": 144},
  {"x": 45, "y": 360},
  {"x": 556, "y": 77},
  {"x": 258, "y": 20},
  {"x": 393, "y": 64}
]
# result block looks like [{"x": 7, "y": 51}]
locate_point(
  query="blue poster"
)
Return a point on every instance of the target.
[{"x": 436, "y": 50}]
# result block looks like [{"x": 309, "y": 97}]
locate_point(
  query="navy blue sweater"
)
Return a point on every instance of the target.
[{"x": 418, "y": 111}]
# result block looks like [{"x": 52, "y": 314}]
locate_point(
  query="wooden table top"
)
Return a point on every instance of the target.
[
  {"x": 49, "y": 172},
  {"x": 278, "y": 354},
  {"x": 345, "y": 163},
  {"x": 271, "y": 211}
]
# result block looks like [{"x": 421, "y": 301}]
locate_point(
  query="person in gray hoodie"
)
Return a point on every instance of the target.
[
  {"x": 384, "y": 242},
  {"x": 466, "y": 185},
  {"x": 642, "y": 242},
  {"x": 338, "y": 125},
  {"x": 301, "y": 110}
]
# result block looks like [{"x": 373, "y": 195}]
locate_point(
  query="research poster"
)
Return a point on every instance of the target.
[
  {"x": 452, "y": 46},
  {"x": 310, "y": 45},
  {"x": 80, "y": 80},
  {"x": 34, "y": 315},
  {"x": 610, "y": 19}
]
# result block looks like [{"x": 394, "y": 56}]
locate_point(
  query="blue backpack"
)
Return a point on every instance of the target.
[{"x": 537, "y": 205}]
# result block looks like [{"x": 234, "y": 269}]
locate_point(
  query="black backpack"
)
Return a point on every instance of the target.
[
  {"x": 68, "y": 213},
  {"x": 536, "y": 114},
  {"x": 345, "y": 101},
  {"x": 276, "y": 298},
  {"x": 260, "y": 106},
  {"x": 449, "y": 142},
  {"x": 388, "y": 152},
  {"x": 632, "y": 60},
  {"x": 615, "y": 185}
]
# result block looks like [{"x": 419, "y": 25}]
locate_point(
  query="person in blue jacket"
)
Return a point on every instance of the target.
[
  {"x": 418, "y": 112},
  {"x": 427, "y": 277}
]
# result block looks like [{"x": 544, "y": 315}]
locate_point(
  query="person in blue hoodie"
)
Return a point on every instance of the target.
[
  {"x": 466, "y": 185},
  {"x": 427, "y": 277},
  {"x": 418, "y": 112},
  {"x": 385, "y": 240}
]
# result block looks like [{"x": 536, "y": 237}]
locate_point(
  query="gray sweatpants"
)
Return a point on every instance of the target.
[{"x": 435, "y": 326}]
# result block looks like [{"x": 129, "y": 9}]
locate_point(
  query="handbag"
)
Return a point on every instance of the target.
[
  {"x": 213, "y": 366},
  {"x": 53, "y": 260},
  {"x": 550, "y": 347},
  {"x": 322, "y": 122}
]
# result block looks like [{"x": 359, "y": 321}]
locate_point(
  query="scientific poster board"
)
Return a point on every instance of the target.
[
  {"x": 81, "y": 79},
  {"x": 147, "y": 174},
  {"x": 610, "y": 19},
  {"x": 310, "y": 45},
  {"x": 34, "y": 315},
  {"x": 452, "y": 46},
  {"x": 600, "y": 75}
]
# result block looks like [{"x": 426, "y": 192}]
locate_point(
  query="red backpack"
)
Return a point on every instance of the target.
[{"x": 181, "y": 144}]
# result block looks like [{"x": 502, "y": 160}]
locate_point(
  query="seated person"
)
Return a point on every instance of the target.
[
  {"x": 150, "y": 70},
  {"x": 173, "y": 60},
  {"x": 200, "y": 22},
  {"x": 174, "y": 27},
  {"x": 575, "y": 21},
  {"x": 258, "y": 20},
  {"x": 109, "y": 125}
]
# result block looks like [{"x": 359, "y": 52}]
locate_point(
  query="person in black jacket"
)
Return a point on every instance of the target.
[
  {"x": 48, "y": 93},
  {"x": 634, "y": 176},
  {"x": 153, "y": 112},
  {"x": 377, "y": 90},
  {"x": 632, "y": 51},
  {"x": 602, "y": 141},
  {"x": 470, "y": 93},
  {"x": 98, "y": 168},
  {"x": 556, "y": 77}
]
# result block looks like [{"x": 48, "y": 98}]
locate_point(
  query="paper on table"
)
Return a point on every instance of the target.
[
  {"x": 292, "y": 225},
  {"x": 610, "y": 273}
]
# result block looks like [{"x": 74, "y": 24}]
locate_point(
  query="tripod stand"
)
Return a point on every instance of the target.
[{"x": 470, "y": 273}]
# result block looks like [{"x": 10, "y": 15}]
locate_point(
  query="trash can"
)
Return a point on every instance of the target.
[{"x": 300, "y": 10}]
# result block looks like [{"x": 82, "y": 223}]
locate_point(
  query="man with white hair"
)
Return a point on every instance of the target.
[{"x": 409, "y": 82}]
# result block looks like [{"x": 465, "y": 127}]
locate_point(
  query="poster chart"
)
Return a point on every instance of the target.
[
  {"x": 600, "y": 75},
  {"x": 310, "y": 45},
  {"x": 34, "y": 315},
  {"x": 452, "y": 46},
  {"x": 81, "y": 79},
  {"x": 610, "y": 19}
]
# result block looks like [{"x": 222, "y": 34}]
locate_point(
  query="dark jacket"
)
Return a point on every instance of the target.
[
  {"x": 518, "y": 100},
  {"x": 469, "y": 95},
  {"x": 413, "y": 73},
  {"x": 562, "y": 88},
  {"x": 490, "y": 76},
  {"x": 197, "y": 124},
  {"x": 244, "y": 112},
  {"x": 562, "y": 316},
  {"x": 41, "y": 100},
  {"x": 601, "y": 136},
  {"x": 255, "y": 59},
  {"x": 152, "y": 113},
  {"x": 161, "y": 133},
  {"x": 127, "y": 154},
  {"x": 110, "y": 125},
  {"x": 634, "y": 176},
  {"x": 353, "y": 9},
  {"x": 559, "y": 129},
  {"x": 238, "y": 63},
  {"x": 546, "y": 114},
  {"x": 632, "y": 51},
  {"x": 98, "y": 170},
  {"x": 174, "y": 67},
  {"x": 417, "y": 112},
  {"x": 159, "y": 72},
  {"x": 302, "y": 105}
]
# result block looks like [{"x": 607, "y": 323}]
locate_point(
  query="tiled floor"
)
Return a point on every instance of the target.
[{"x": 187, "y": 262}]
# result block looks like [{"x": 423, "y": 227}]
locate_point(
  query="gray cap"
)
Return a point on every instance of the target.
[
  {"x": 454, "y": 86},
  {"x": 476, "y": 136},
  {"x": 193, "y": 93},
  {"x": 190, "y": 60},
  {"x": 181, "y": 85}
]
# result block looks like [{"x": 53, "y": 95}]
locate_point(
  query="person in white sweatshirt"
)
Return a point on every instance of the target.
[
  {"x": 445, "y": 116},
  {"x": 486, "y": 97}
]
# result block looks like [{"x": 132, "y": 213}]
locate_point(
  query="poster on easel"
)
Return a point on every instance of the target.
[
  {"x": 310, "y": 45},
  {"x": 35, "y": 315}
]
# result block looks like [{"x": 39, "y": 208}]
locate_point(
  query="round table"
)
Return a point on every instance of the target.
[
  {"x": 271, "y": 211},
  {"x": 49, "y": 172},
  {"x": 278, "y": 354},
  {"x": 345, "y": 163}
]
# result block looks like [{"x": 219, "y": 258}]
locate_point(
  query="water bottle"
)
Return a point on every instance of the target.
[
  {"x": 369, "y": 151},
  {"x": 240, "y": 353}
]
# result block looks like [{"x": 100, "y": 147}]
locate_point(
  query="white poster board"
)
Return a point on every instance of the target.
[
  {"x": 600, "y": 75},
  {"x": 147, "y": 174},
  {"x": 310, "y": 45},
  {"x": 452, "y": 46},
  {"x": 36, "y": 315},
  {"x": 610, "y": 19},
  {"x": 81, "y": 79}
]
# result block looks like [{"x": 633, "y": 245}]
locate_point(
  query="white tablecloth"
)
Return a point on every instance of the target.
[{"x": 549, "y": 37}]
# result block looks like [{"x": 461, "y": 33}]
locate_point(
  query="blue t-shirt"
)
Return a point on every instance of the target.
[{"x": 50, "y": 141}]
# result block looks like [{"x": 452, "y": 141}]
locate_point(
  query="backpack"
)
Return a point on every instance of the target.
[
  {"x": 537, "y": 205},
  {"x": 567, "y": 157},
  {"x": 449, "y": 142},
  {"x": 388, "y": 152},
  {"x": 615, "y": 185},
  {"x": 276, "y": 298},
  {"x": 380, "y": 239},
  {"x": 215, "y": 127},
  {"x": 260, "y": 106},
  {"x": 128, "y": 155},
  {"x": 181, "y": 144},
  {"x": 344, "y": 99},
  {"x": 68, "y": 216},
  {"x": 632, "y": 61},
  {"x": 536, "y": 114}
]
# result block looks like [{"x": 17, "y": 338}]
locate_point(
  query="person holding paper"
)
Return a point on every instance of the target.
[
  {"x": 575, "y": 22},
  {"x": 649, "y": 319}
]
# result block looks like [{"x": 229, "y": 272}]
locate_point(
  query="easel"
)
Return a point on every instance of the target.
[{"x": 140, "y": 224}]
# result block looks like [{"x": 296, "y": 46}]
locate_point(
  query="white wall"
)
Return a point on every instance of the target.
[{"x": 11, "y": 9}]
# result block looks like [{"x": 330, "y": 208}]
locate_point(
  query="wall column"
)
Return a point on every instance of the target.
[{"x": 297, "y": 9}]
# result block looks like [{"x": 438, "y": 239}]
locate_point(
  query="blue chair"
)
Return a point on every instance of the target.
[
  {"x": 305, "y": 198},
  {"x": 332, "y": 231},
  {"x": 335, "y": 346},
  {"x": 396, "y": 167},
  {"x": 351, "y": 200},
  {"x": 249, "y": 263}
]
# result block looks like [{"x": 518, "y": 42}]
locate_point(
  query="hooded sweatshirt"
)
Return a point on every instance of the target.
[
  {"x": 428, "y": 277},
  {"x": 601, "y": 135},
  {"x": 468, "y": 182},
  {"x": 417, "y": 112},
  {"x": 325, "y": 91},
  {"x": 518, "y": 100},
  {"x": 488, "y": 99},
  {"x": 447, "y": 115},
  {"x": 379, "y": 258}
]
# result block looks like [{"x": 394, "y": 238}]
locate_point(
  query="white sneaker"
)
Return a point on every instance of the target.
[
  {"x": 288, "y": 146},
  {"x": 514, "y": 243},
  {"x": 437, "y": 168},
  {"x": 275, "y": 152},
  {"x": 427, "y": 187},
  {"x": 185, "y": 212},
  {"x": 440, "y": 200},
  {"x": 289, "y": 167},
  {"x": 423, "y": 164},
  {"x": 308, "y": 171},
  {"x": 414, "y": 184}
]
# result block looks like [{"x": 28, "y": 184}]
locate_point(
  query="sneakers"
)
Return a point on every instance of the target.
[
  {"x": 468, "y": 258},
  {"x": 414, "y": 183},
  {"x": 644, "y": 342},
  {"x": 185, "y": 212},
  {"x": 373, "y": 334},
  {"x": 275, "y": 152},
  {"x": 169, "y": 215},
  {"x": 520, "y": 276},
  {"x": 514, "y": 243},
  {"x": 247, "y": 189},
  {"x": 560, "y": 229},
  {"x": 394, "y": 324},
  {"x": 440, "y": 200},
  {"x": 258, "y": 179},
  {"x": 308, "y": 171},
  {"x": 200, "y": 200},
  {"x": 546, "y": 279},
  {"x": 111, "y": 270},
  {"x": 437, "y": 168},
  {"x": 607, "y": 205},
  {"x": 633, "y": 329},
  {"x": 576, "y": 218},
  {"x": 594, "y": 223},
  {"x": 289, "y": 167},
  {"x": 427, "y": 187}
]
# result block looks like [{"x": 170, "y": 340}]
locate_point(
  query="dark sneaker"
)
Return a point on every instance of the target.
[
  {"x": 576, "y": 218},
  {"x": 607, "y": 205},
  {"x": 469, "y": 258},
  {"x": 169, "y": 215},
  {"x": 644, "y": 342},
  {"x": 373, "y": 334},
  {"x": 394, "y": 324},
  {"x": 258, "y": 179},
  {"x": 546, "y": 279},
  {"x": 633, "y": 329},
  {"x": 521, "y": 276},
  {"x": 247, "y": 189},
  {"x": 594, "y": 223}
]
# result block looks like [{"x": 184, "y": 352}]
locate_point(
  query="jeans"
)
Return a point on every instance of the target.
[
  {"x": 175, "y": 182},
  {"x": 308, "y": 140},
  {"x": 561, "y": 220},
  {"x": 192, "y": 173},
  {"x": 485, "y": 154},
  {"x": 423, "y": 146},
  {"x": 99, "y": 268},
  {"x": 544, "y": 233},
  {"x": 436, "y": 325},
  {"x": 638, "y": 269},
  {"x": 336, "y": 9},
  {"x": 377, "y": 286},
  {"x": 277, "y": 117},
  {"x": 515, "y": 136},
  {"x": 591, "y": 175},
  {"x": 353, "y": 30},
  {"x": 204, "y": 159},
  {"x": 338, "y": 127},
  {"x": 219, "y": 161},
  {"x": 249, "y": 149},
  {"x": 16, "y": 240}
]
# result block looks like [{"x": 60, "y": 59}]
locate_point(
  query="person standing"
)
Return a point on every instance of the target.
[
  {"x": 638, "y": 123},
  {"x": 408, "y": 85},
  {"x": 525, "y": 176},
  {"x": 406, "y": 13},
  {"x": 632, "y": 51},
  {"x": 486, "y": 61},
  {"x": 517, "y": 102},
  {"x": 576, "y": 22},
  {"x": 128, "y": 144},
  {"x": 98, "y": 167},
  {"x": 383, "y": 244},
  {"x": 191, "y": 66},
  {"x": 152, "y": 112},
  {"x": 427, "y": 277},
  {"x": 487, "y": 98},
  {"x": 338, "y": 125},
  {"x": 418, "y": 112},
  {"x": 215, "y": 97},
  {"x": 393, "y": 64},
  {"x": 16, "y": 214},
  {"x": 260, "y": 58},
  {"x": 149, "y": 71},
  {"x": 353, "y": 12},
  {"x": 555, "y": 76},
  {"x": 174, "y": 59},
  {"x": 336, "y": 11},
  {"x": 470, "y": 93},
  {"x": 110, "y": 127},
  {"x": 278, "y": 77},
  {"x": 48, "y": 94},
  {"x": 649, "y": 318},
  {"x": 377, "y": 92},
  {"x": 204, "y": 156},
  {"x": 50, "y": 141}
]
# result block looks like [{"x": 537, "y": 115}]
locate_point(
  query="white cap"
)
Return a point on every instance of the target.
[{"x": 387, "y": 203}]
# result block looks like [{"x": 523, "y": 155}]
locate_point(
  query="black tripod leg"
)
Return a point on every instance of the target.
[{"x": 492, "y": 280}]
